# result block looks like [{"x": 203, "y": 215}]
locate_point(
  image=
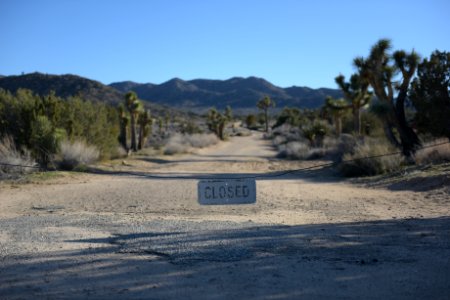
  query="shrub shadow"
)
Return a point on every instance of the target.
[{"x": 360, "y": 260}]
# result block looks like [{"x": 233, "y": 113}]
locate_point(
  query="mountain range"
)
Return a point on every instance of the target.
[
  {"x": 236, "y": 92},
  {"x": 192, "y": 95},
  {"x": 63, "y": 86}
]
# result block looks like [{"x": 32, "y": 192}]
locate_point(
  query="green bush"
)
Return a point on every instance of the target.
[
  {"x": 44, "y": 139},
  {"x": 40, "y": 123}
]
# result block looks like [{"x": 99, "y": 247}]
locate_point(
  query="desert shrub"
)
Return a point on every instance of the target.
[
  {"x": 77, "y": 153},
  {"x": 242, "y": 132},
  {"x": 190, "y": 127},
  {"x": 357, "y": 163},
  {"x": 176, "y": 144},
  {"x": 316, "y": 131},
  {"x": 294, "y": 150},
  {"x": 303, "y": 150},
  {"x": 179, "y": 143},
  {"x": 279, "y": 140},
  {"x": 329, "y": 149},
  {"x": 250, "y": 121},
  {"x": 10, "y": 155},
  {"x": 437, "y": 154},
  {"x": 119, "y": 153},
  {"x": 371, "y": 124},
  {"x": 289, "y": 133},
  {"x": 45, "y": 139},
  {"x": 346, "y": 144},
  {"x": 201, "y": 140}
]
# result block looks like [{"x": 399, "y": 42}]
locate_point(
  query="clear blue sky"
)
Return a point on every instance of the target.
[{"x": 288, "y": 42}]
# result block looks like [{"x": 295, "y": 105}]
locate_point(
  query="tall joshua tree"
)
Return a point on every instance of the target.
[
  {"x": 145, "y": 127},
  {"x": 379, "y": 69},
  {"x": 337, "y": 108},
  {"x": 124, "y": 121},
  {"x": 217, "y": 121},
  {"x": 356, "y": 95},
  {"x": 264, "y": 104},
  {"x": 133, "y": 106}
]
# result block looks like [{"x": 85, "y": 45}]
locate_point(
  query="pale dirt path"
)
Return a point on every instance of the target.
[
  {"x": 302, "y": 198},
  {"x": 309, "y": 235}
]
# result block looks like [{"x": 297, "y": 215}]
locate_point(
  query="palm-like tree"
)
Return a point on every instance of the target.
[
  {"x": 356, "y": 95},
  {"x": 379, "y": 69},
  {"x": 124, "y": 122},
  {"x": 145, "y": 126},
  {"x": 337, "y": 108},
  {"x": 133, "y": 106},
  {"x": 264, "y": 104},
  {"x": 217, "y": 121}
]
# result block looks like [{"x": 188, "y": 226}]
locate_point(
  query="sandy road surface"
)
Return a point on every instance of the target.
[{"x": 125, "y": 234}]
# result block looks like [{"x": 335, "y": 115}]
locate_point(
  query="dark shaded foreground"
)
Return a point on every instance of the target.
[{"x": 395, "y": 259}]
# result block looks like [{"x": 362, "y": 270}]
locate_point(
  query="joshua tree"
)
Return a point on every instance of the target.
[
  {"x": 160, "y": 126},
  {"x": 133, "y": 105},
  {"x": 315, "y": 132},
  {"x": 356, "y": 95},
  {"x": 337, "y": 108},
  {"x": 145, "y": 127},
  {"x": 124, "y": 121},
  {"x": 379, "y": 69},
  {"x": 217, "y": 121},
  {"x": 264, "y": 104}
]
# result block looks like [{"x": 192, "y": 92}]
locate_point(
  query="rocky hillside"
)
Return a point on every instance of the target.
[{"x": 63, "y": 85}]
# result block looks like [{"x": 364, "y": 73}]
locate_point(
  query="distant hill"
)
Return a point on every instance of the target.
[
  {"x": 63, "y": 85},
  {"x": 194, "y": 95},
  {"x": 237, "y": 92},
  {"x": 72, "y": 85}
]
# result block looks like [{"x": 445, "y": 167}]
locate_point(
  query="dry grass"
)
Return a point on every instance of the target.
[
  {"x": 14, "y": 162},
  {"x": 359, "y": 163},
  {"x": 303, "y": 150},
  {"x": 75, "y": 154},
  {"x": 294, "y": 150},
  {"x": 437, "y": 154}
]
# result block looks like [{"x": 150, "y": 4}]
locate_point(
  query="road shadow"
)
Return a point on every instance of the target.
[
  {"x": 421, "y": 184},
  {"x": 207, "y": 158},
  {"x": 417, "y": 179},
  {"x": 320, "y": 175},
  {"x": 392, "y": 259}
]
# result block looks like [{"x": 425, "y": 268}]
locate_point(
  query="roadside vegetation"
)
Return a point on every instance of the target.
[
  {"x": 35, "y": 127},
  {"x": 395, "y": 102}
]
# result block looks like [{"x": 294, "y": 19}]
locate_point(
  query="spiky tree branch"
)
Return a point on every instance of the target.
[
  {"x": 357, "y": 96},
  {"x": 379, "y": 69}
]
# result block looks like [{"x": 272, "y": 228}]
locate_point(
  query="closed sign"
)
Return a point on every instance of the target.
[{"x": 227, "y": 192}]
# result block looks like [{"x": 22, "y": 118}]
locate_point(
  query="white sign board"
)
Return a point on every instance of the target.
[{"x": 227, "y": 192}]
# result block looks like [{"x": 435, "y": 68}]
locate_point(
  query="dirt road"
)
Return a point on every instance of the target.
[{"x": 136, "y": 230}]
